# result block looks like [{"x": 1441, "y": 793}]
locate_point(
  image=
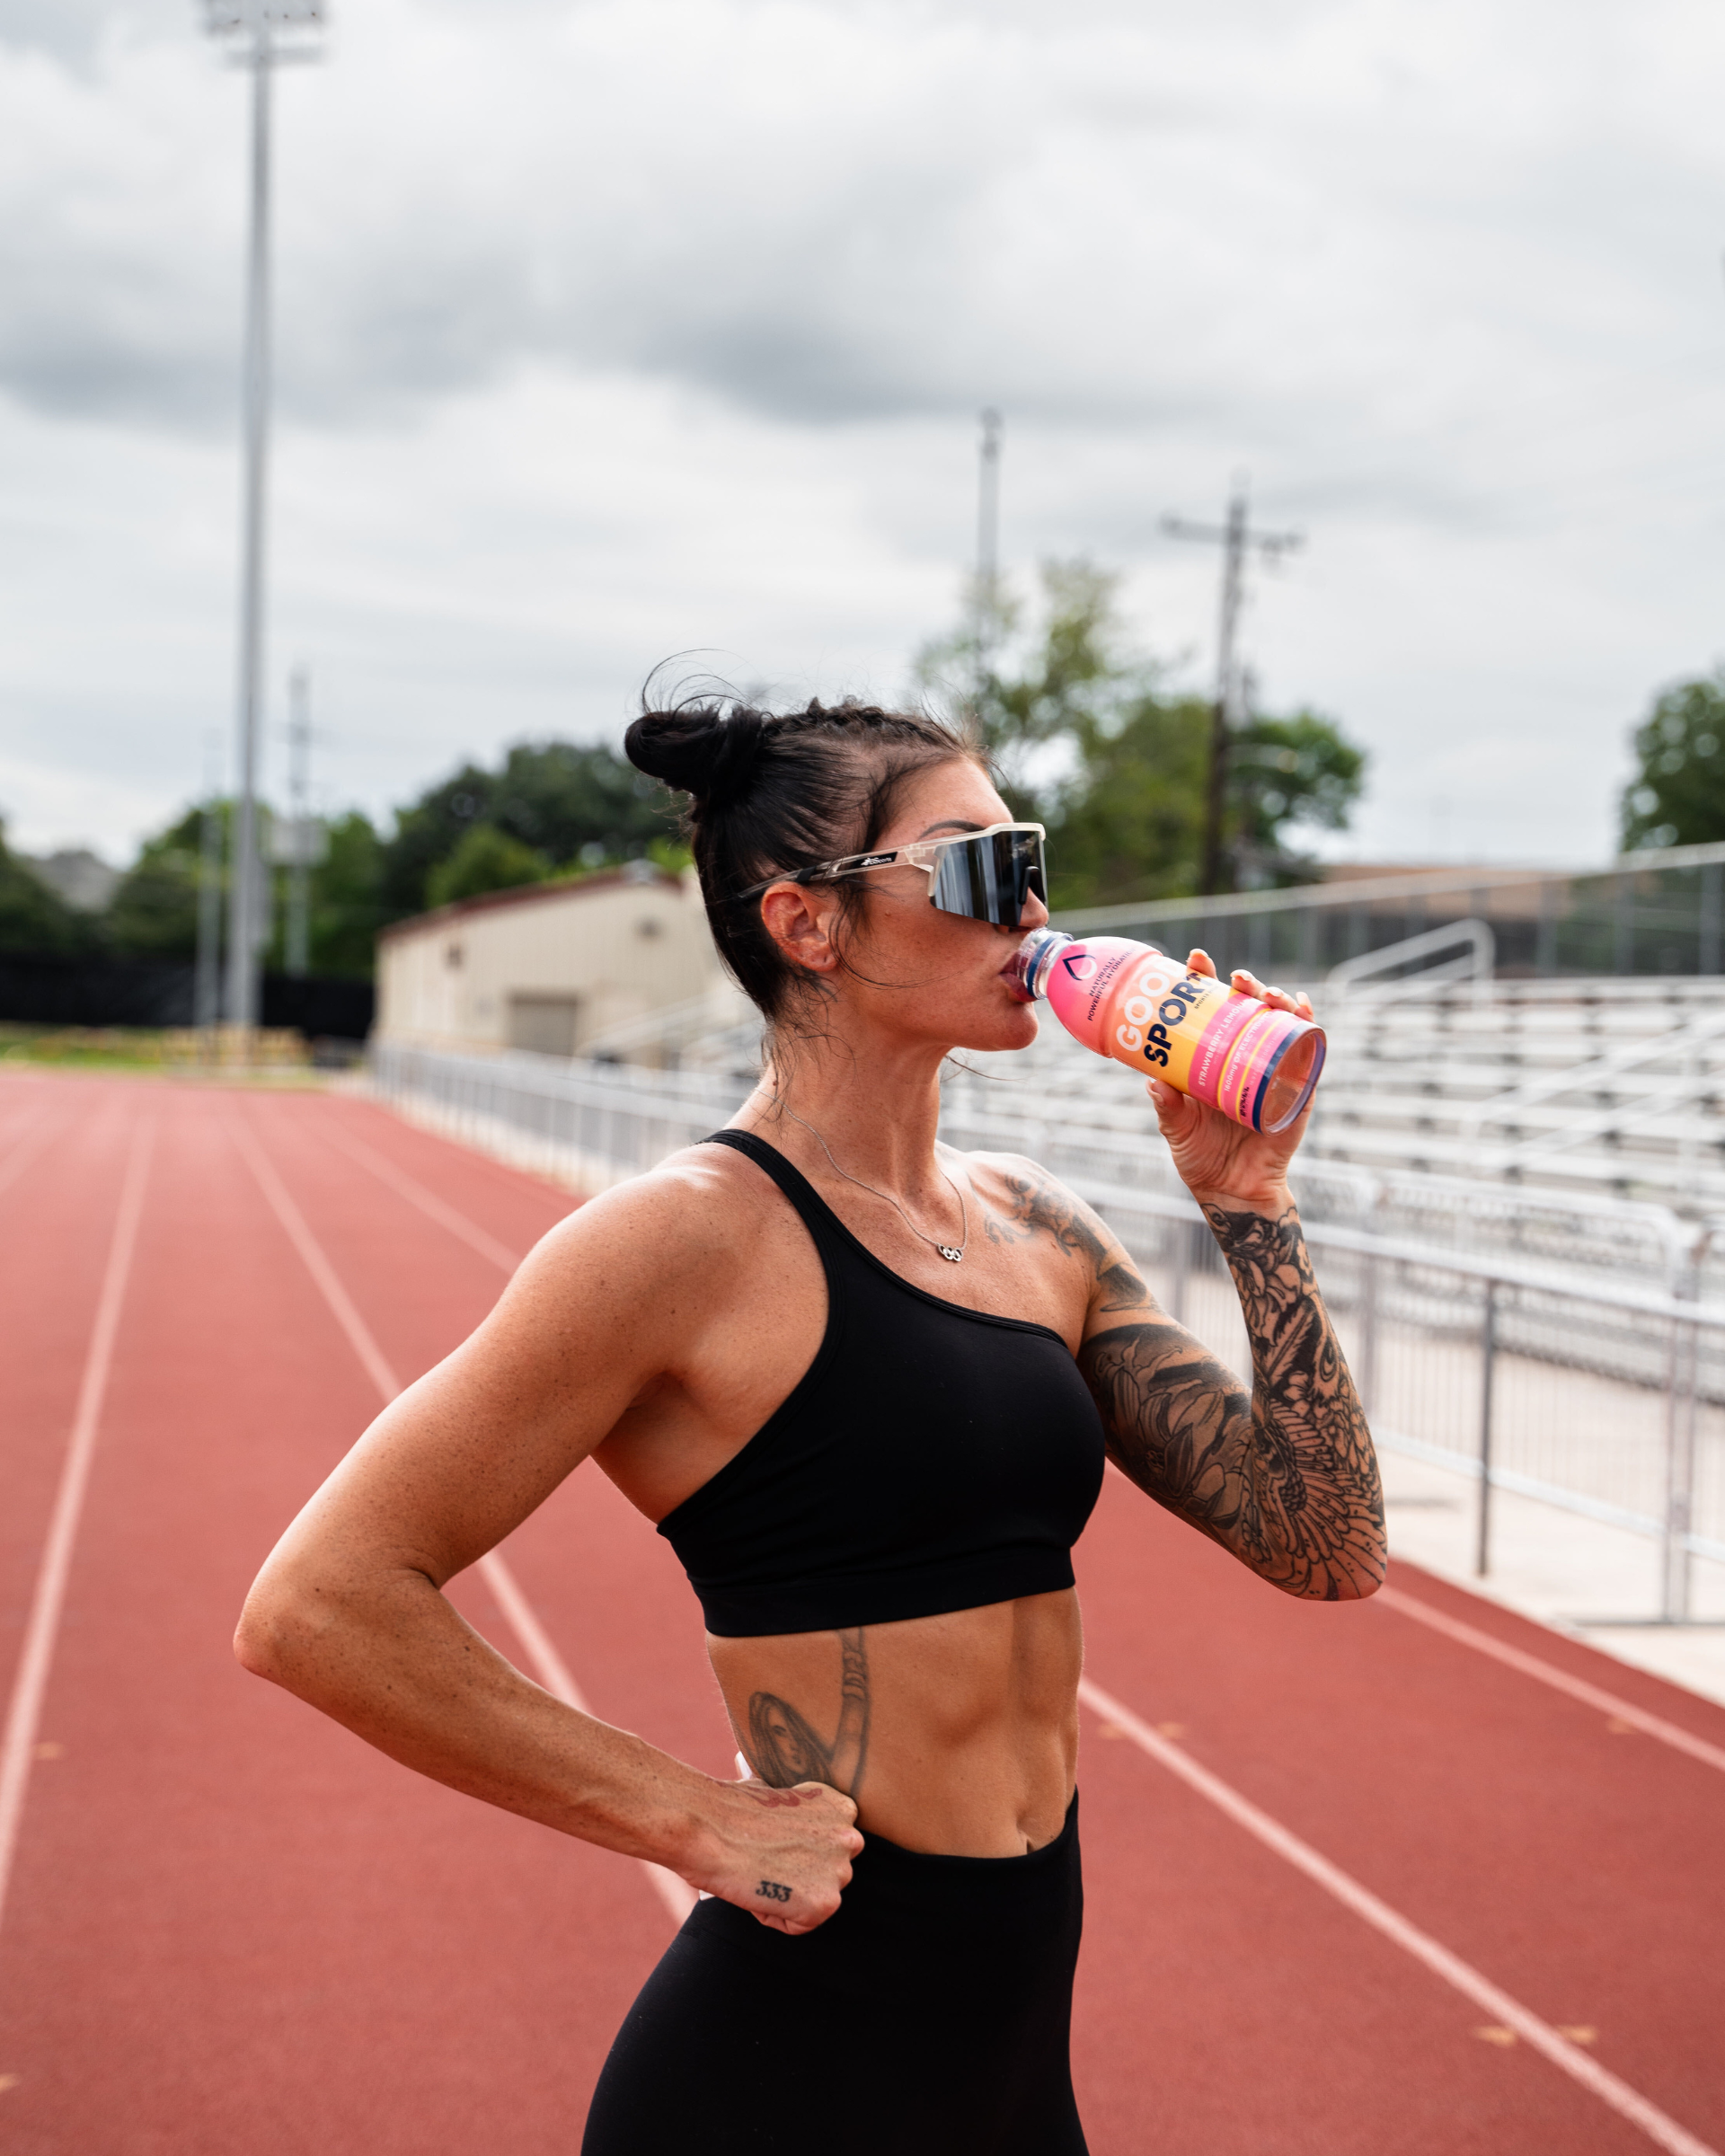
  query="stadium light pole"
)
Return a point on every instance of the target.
[
  {"x": 987, "y": 591},
  {"x": 255, "y": 27},
  {"x": 206, "y": 997},
  {"x": 296, "y": 944}
]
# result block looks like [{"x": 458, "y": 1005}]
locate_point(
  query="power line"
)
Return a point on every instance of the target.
[{"x": 1234, "y": 537}]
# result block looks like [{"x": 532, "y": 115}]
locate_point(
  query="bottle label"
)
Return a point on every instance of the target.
[
  {"x": 1254, "y": 1050},
  {"x": 1146, "y": 1010},
  {"x": 1200, "y": 1036}
]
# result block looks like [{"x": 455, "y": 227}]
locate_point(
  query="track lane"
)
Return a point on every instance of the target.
[
  {"x": 1224, "y": 2003},
  {"x": 56, "y": 1215},
  {"x": 508, "y": 1204},
  {"x": 1511, "y": 2020},
  {"x": 236, "y": 1928},
  {"x": 1579, "y": 1868},
  {"x": 22, "y": 1138},
  {"x": 18, "y": 1740}
]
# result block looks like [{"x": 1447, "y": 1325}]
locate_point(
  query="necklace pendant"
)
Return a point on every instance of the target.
[{"x": 952, "y": 1256}]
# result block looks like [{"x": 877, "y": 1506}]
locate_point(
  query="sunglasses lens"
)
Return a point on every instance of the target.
[{"x": 991, "y": 878}]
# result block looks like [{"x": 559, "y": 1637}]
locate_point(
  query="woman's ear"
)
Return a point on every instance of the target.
[{"x": 800, "y": 922}]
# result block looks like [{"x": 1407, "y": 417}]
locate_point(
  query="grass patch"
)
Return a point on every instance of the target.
[{"x": 150, "y": 1048}]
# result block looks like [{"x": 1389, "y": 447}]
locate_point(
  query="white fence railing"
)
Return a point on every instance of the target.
[{"x": 1599, "y": 1390}]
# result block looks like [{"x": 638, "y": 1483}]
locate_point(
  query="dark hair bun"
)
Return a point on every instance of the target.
[{"x": 700, "y": 749}]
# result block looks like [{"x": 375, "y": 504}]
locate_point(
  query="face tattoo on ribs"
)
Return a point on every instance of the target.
[{"x": 783, "y": 1748}]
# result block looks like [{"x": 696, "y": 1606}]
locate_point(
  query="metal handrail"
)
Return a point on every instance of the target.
[
  {"x": 1583, "y": 1077},
  {"x": 1478, "y": 966},
  {"x": 1552, "y": 1280}
]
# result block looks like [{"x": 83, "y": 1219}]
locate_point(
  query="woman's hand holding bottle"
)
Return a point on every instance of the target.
[{"x": 1221, "y": 1162}]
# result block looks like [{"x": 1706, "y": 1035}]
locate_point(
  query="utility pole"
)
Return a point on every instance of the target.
[
  {"x": 255, "y": 26},
  {"x": 207, "y": 990},
  {"x": 298, "y": 939},
  {"x": 1235, "y": 537},
  {"x": 987, "y": 593}
]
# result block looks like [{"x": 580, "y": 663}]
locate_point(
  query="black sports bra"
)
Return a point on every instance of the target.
[{"x": 931, "y": 1458}]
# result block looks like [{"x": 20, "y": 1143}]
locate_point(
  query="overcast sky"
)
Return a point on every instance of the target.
[{"x": 617, "y": 331}]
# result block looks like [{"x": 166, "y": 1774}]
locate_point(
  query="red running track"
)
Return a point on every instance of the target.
[{"x": 1359, "y": 1881}]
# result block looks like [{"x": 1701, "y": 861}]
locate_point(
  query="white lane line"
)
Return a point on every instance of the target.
[
  {"x": 323, "y": 1274},
  {"x": 416, "y": 1194},
  {"x": 1505, "y": 2011},
  {"x": 1609, "y": 1703},
  {"x": 30, "y": 1684},
  {"x": 548, "y": 1666},
  {"x": 1559, "y": 1680}
]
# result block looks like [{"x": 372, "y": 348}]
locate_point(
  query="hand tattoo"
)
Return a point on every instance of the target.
[
  {"x": 773, "y": 1891},
  {"x": 1286, "y": 1478},
  {"x": 783, "y": 1748}
]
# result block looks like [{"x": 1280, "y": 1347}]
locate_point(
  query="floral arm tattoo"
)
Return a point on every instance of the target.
[{"x": 1285, "y": 1477}]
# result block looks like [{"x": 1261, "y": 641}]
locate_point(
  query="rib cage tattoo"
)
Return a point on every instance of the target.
[
  {"x": 783, "y": 1747},
  {"x": 1285, "y": 1477}
]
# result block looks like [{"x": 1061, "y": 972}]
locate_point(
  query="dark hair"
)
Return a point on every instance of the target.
[{"x": 771, "y": 792}]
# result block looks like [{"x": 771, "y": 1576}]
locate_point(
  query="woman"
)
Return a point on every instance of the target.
[{"x": 864, "y": 1385}]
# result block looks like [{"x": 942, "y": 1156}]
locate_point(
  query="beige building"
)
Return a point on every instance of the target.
[{"x": 607, "y": 962}]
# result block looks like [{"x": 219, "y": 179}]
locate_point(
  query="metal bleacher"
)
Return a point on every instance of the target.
[{"x": 1602, "y": 1085}]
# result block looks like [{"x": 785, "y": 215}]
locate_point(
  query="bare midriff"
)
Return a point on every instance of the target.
[{"x": 956, "y": 1734}]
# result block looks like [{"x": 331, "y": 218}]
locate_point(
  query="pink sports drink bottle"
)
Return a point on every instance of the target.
[{"x": 1132, "y": 1002}]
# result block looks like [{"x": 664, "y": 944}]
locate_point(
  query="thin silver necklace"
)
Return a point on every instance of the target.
[{"x": 952, "y": 1256}]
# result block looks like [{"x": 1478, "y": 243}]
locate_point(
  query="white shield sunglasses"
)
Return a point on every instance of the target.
[{"x": 982, "y": 875}]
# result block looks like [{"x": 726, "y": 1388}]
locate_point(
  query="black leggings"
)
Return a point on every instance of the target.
[{"x": 930, "y": 2016}]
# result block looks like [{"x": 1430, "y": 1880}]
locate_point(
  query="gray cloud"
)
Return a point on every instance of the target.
[
  {"x": 1057, "y": 215},
  {"x": 608, "y": 330}
]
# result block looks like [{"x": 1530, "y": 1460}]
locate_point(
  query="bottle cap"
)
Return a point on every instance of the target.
[{"x": 1034, "y": 956}]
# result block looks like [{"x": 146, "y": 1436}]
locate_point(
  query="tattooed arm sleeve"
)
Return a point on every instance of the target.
[{"x": 1286, "y": 1478}]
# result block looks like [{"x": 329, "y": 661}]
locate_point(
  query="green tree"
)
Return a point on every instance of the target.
[
  {"x": 573, "y": 802},
  {"x": 1017, "y": 695},
  {"x": 568, "y": 803},
  {"x": 1129, "y": 822},
  {"x": 428, "y": 831},
  {"x": 34, "y": 921},
  {"x": 1090, "y": 742},
  {"x": 153, "y": 910},
  {"x": 1678, "y": 796},
  {"x": 486, "y": 860},
  {"x": 1299, "y": 771},
  {"x": 347, "y": 903}
]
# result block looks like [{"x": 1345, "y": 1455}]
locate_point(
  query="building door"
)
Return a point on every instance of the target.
[{"x": 545, "y": 1023}]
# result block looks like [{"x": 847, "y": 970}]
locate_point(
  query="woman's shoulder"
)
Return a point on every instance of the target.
[{"x": 702, "y": 1206}]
